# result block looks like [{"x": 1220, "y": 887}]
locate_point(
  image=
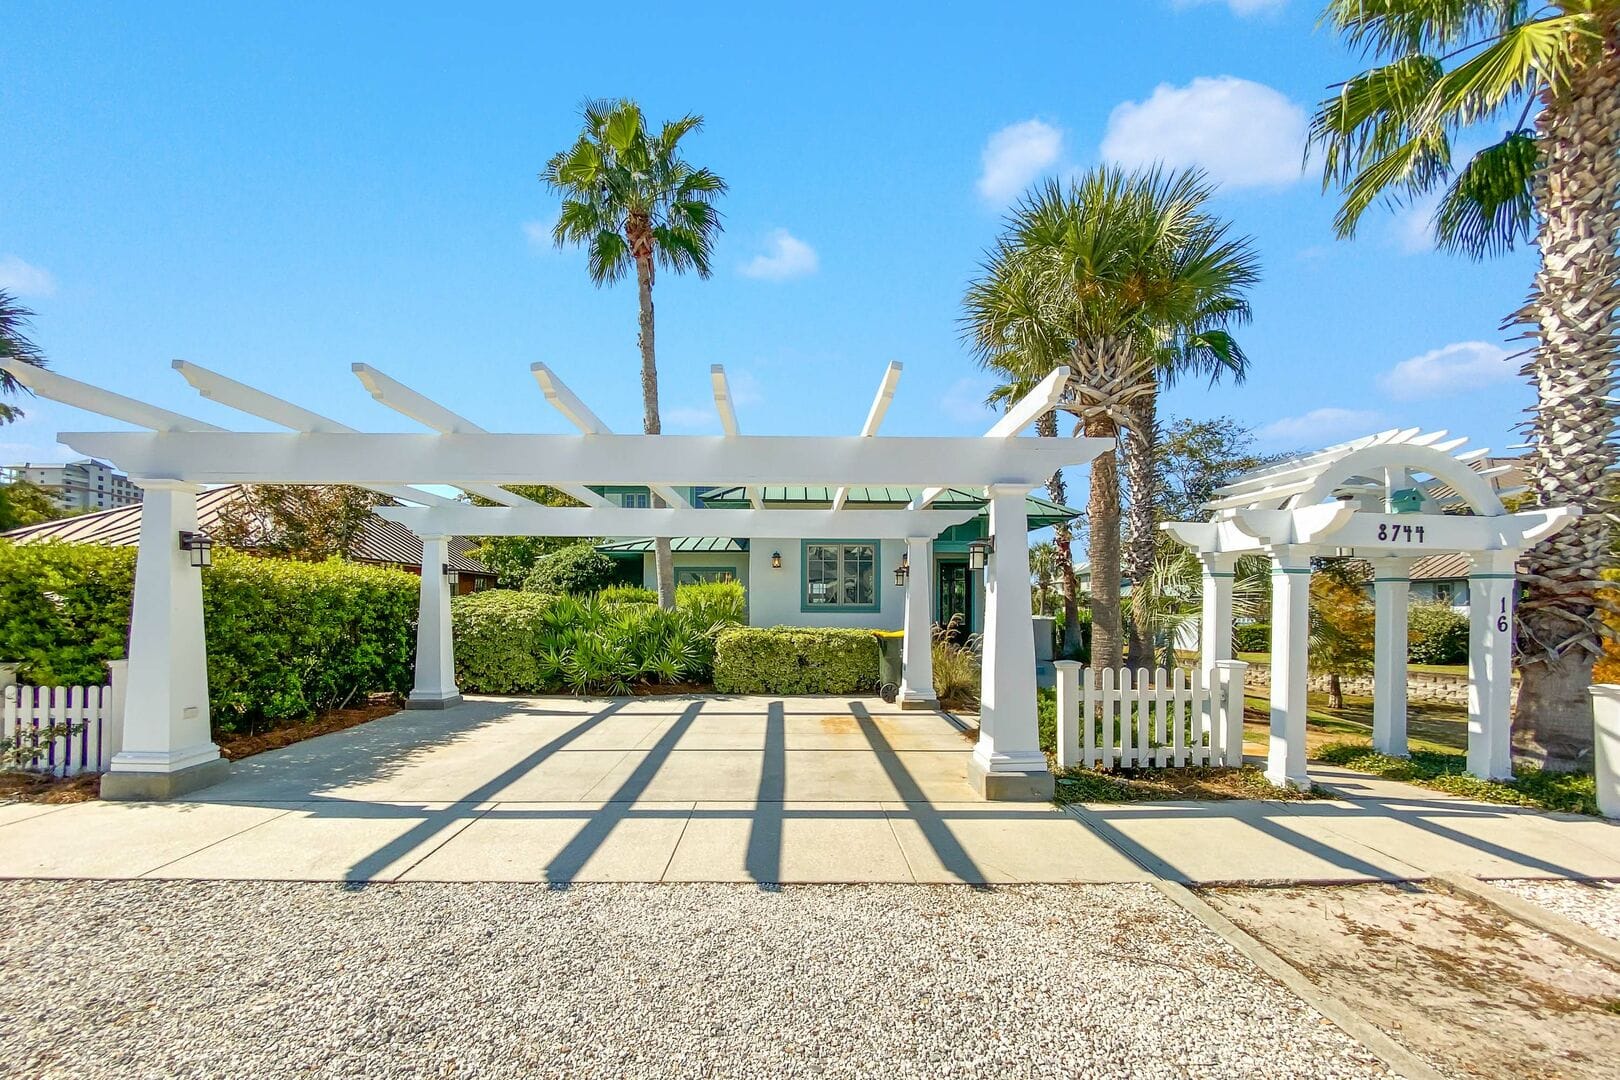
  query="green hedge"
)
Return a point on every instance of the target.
[
  {"x": 497, "y": 635},
  {"x": 795, "y": 660},
  {"x": 1439, "y": 635},
  {"x": 579, "y": 570},
  {"x": 285, "y": 639},
  {"x": 1252, "y": 637}
]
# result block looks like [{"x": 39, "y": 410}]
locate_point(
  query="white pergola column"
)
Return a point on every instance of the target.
[
  {"x": 168, "y": 749},
  {"x": 1008, "y": 763},
  {"x": 1215, "y": 632},
  {"x": 1290, "y": 644},
  {"x": 917, "y": 670},
  {"x": 1491, "y": 586},
  {"x": 1392, "y": 588},
  {"x": 435, "y": 650}
]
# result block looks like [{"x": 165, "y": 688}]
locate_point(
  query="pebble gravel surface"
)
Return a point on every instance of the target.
[
  {"x": 255, "y": 979},
  {"x": 1595, "y": 904}
]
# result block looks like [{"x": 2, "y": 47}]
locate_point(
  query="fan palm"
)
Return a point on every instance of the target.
[
  {"x": 634, "y": 201},
  {"x": 15, "y": 345},
  {"x": 1552, "y": 72},
  {"x": 1123, "y": 277}
]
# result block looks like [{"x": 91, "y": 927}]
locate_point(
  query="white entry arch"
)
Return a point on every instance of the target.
[
  {"x": 166, "y": 745},
  {"x": 1374, "y": 499}
]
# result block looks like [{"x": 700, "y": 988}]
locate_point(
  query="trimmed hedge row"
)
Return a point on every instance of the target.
[
  {"x": 795, "y": 660},
  {"x": 285, "y": 639}
]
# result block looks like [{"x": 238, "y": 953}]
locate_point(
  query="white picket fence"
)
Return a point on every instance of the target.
[
  {"x": 97, "y": 711},
  {"x": 1152, "y": 719}
]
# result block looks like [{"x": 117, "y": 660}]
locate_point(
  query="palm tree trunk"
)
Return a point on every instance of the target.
[
  {"x": 1140, "y": 442},
  {"x": 1063, "y": 540},
  {"x": 1103, "y": 512},
  {"x": 650, "y": 424},
  {"x": 1572, "y": 314}
]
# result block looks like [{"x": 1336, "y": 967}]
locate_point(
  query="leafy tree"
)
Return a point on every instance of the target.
[
  {"x": 634, "y": 201},
  {"x": 513, "y": 557},
  {"x": 15, "y": 344},
  {"x": 1551, "y": 72},
  {"x": 22, "y": 503},
  {"x": 1126, "y": 279},
  {"x": 578, "y": 569},
  {"x": 293, "y": 521},
  {"x": 1198, "y": 456},
  {"x": 1341, "y": 632}
]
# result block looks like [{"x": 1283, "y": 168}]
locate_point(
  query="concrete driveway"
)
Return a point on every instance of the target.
[{"x": 767, "y": 790}]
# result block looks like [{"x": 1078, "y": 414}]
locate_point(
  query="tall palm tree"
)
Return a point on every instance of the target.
[
  {"x": 1115, "y": 276},
  {"x": 15, "y": 344},
  {"x": 1552, "y": 72},
  {"x": 634, "y": 201}
]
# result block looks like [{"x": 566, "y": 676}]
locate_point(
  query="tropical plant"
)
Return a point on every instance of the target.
[
  {"x": 1552, "y": 72},
  {"x": 1169, "y": 600},
  {"x": 1046, "y": 572},
  {"x": 958, "y": 675},
  {"x": 1126, "y": 279},
  {"x": 712, "y": 603},
  {"x": 634, "y": 201},
  {"x": 15, "y": 344}
]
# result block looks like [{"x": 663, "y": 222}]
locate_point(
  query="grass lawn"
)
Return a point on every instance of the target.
[{"x": 1460, "y": 670}]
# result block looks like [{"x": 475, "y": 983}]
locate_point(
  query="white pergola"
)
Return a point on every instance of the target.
[
  {"x": 1368, "y": 499},
  {"x": 167, "y": 745}
]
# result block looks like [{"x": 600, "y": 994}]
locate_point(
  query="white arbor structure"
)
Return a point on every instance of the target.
[
  {"x": 167, "y": 745},
  {"x": 1368, "y": 499}
]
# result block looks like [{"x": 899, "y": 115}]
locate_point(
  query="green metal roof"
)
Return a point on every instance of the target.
[
  {"x": 1041, "y": 512},
  {"x": 679, "y": 543}
]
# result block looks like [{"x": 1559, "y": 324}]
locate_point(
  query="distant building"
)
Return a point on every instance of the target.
[{"x": 80, "y": 485}]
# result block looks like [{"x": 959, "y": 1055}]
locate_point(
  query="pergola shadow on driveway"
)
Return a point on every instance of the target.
[{"x": 762, "y": 790}]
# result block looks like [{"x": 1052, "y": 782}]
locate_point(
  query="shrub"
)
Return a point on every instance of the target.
[
  {"x": 1252, "y": 637},
  {"x": 627, "y": 594},
  {"x": 579, "y": 571},
  {"x": 284, "y": 638},
  {"x": 956, "y": 668},
  {"x": 1438, "y": 635},
  {"x": 713, "y": 603},
  {"x": 795, "y": 660},
  {"x": 512, "y": 643}
]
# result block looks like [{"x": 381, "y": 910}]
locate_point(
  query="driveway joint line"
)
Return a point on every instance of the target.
[
  {"x": 479, "y": 816},
  {"x": 216, "y": 843}
]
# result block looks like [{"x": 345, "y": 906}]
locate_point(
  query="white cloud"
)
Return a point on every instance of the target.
[
  {"x": 25, "y": 279},
  {"x": 963, "y": 400},
  {"x": 1244, "y": 134},
  {"x": 1319, "y": 427},
  {"x": 1455, "y": 368},
  {"x": 1414, "y": 225},
  {"x": 1016, "y": 155},
  {"x": 785, "y": 256},
  {"x": 1241, "y": 8},
  {"x": 538, "y": 232}
]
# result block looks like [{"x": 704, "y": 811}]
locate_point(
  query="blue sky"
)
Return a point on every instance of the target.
[{"x": 278, "y": 193}]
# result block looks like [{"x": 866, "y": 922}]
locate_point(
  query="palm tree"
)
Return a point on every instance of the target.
[
  {"x": 1117, "y": 276},
  {"x": 1551, "y": 71},
  {"x": 633, "y": 200},
  {"x": 15, "y": 345}
]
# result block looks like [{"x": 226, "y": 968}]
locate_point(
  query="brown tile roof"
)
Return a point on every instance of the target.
[{"x": 382, "y": 541}]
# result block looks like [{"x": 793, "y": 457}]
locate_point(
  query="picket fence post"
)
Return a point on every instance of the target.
[
  {"x": 1068, "y": 712},
  {"x": 112, "y": 724},
  {"x": 1232, "y": 675}
]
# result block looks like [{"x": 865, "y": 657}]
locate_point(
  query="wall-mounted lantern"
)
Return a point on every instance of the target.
[
  {"x": 776, "y": 560},
  {"x": 979, "y": 553},
  {"x": 200, "y": 546},
  {"x": 902, "y": 573},
  {"x": 452, "y": 576}
]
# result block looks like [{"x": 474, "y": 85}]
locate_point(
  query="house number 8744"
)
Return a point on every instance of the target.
[{"x": 1408, "y": 534}]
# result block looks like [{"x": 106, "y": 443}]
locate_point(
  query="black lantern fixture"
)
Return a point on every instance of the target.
[
  {"x": 776, "y": 560},
  {"x": 452, "y": 576},
  {"x": 200, "y": 546},
  {"x": 979, "y": 553},
  {"x": 902, "y": 573}
]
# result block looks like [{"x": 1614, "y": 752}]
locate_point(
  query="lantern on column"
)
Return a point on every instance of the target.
[
  {"x": 979, "y": 553},
  {"x": 902, "y": 573},
  {"x": 200, "y": 546}
]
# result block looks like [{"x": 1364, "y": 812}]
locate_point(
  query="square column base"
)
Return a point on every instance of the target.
[
  {"x": 419, "y": 700},
  {"x": 921, "y": 704},
  {"x": 1293, "y": 783},
  {"x": 147, "y": 786},
  {"x": 1020, "y": 785}
]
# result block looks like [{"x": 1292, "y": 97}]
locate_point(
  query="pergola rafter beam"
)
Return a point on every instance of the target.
[
  {"x": 1024, "y": 412},
  {"x": 673, "y": 521},
  {"x": 81, "y": 395},
  {"x": 580, "y": 415},
  {"x": 257, "y": 457},
  {"x": 874, "y": 418},
  {"x": 254, "y": 402},
  {"x": 726, "y": 408}
]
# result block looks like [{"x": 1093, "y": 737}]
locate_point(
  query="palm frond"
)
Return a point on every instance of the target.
[{"x": 1490, "y": 207}]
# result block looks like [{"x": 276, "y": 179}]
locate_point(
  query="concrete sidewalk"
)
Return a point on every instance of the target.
[{"x": 560, "y": 790}]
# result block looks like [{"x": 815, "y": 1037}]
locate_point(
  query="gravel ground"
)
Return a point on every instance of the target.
[
  {"x": 1593, "y": 903},
  {"x": 253, "y": 979}
]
